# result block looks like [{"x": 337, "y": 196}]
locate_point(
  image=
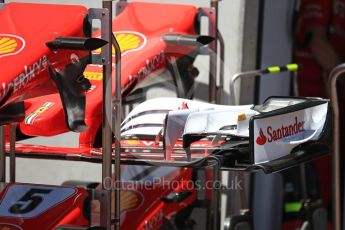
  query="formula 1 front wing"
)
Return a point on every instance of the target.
[{"x": 278, "y": 134}]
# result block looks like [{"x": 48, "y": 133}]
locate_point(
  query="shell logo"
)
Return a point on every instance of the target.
[
  {"x": 4, "y": 226},
  {"x": 129, "y": 41},
  {"x": 10, "y": 45},
  {"x": 130, "y": 200}
]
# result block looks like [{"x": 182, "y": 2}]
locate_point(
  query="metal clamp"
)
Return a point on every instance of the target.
[
  {"x": 103, "y": 15},
  {"x": 2, "y": 154}
]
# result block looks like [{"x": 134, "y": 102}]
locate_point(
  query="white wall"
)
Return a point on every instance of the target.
[{"x": 276, "y": 47}]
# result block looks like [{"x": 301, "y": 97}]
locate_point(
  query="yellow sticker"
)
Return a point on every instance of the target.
[
  {"x": 242, "y": 117},
  {"x": 131, "y": 142},
  {"x": 93, "y": 76}
]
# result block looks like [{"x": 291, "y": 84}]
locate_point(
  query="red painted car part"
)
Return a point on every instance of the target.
[{"x": 143, "y": 53}]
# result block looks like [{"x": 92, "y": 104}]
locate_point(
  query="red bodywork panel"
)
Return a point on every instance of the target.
[
  {"x": 141, "y": 202},
  {"x": 142, "y": 206},
  {"x": 138, "y": 29},
  {"x": 29, "y": 206},
  {"x": 24, "y": 57}
]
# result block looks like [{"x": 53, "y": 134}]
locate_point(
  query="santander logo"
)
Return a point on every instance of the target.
[
  {"x": 262, "y": 139},
  {"x": 183, "y": 106},
  {"x": 273, "y": 135}
]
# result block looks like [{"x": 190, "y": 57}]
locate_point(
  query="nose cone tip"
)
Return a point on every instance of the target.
[{"x": 77, "y": 126}]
